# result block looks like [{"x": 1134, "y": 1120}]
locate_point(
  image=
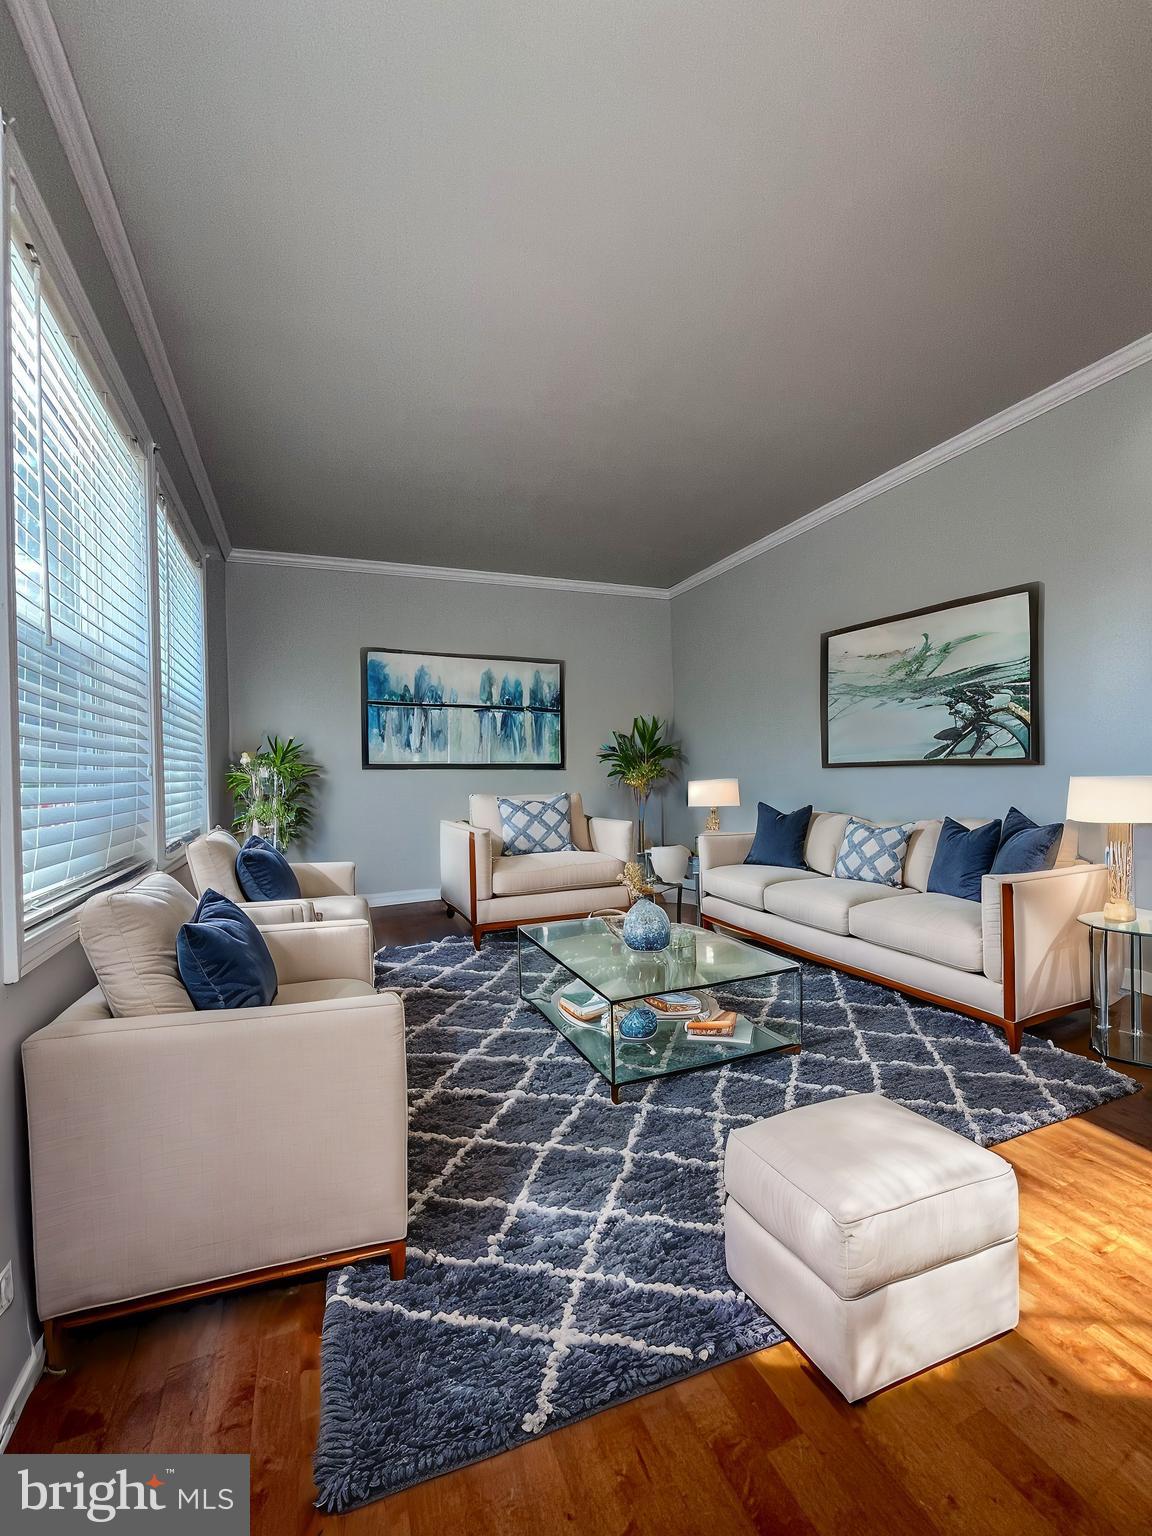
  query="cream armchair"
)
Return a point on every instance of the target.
[
  {"x": 179, "y": 1154},
  {"x": 326, "y": 890},
  {"x": 492, "y": 891}
]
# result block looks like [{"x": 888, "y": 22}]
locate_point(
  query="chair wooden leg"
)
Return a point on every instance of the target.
[
  {"x": 477, "y": 938},
  {"x": 397, "y": 1255},
  {"x": 54, "y": 1361},
  {"x": 450, "y": 910},
  {"x": 1015, "y": 1033}
]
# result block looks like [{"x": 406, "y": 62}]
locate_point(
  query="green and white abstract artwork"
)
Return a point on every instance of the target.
[{"x": 954, "y": 683}]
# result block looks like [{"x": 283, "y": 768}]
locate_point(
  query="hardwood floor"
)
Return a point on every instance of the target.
[{"x": 1046, "y": 1430}]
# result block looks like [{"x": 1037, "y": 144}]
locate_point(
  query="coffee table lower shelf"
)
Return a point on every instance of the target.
[{"x": 763, "y": 989}]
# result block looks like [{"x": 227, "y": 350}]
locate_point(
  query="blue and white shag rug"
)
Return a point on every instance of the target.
[{"x": 566, "y": 1253}]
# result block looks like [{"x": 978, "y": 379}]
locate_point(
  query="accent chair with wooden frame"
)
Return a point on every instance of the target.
[
  {"x": 1015, "y": 958},
  {"x": 179, "y": 1154},
  {"x": 492, "y": 890}
]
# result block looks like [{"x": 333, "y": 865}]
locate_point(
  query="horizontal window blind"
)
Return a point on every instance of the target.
[
  {"x": 182, "y": 693},
  {"x": 82, "y": 628}
]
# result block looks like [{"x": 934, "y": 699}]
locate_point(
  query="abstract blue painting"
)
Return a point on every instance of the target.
[
  {"x": 954, "y": 683},
  {"x": 423, "y": 710}
]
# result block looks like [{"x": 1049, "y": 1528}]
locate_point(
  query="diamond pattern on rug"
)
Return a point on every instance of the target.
[{"x": 566, "y": 1253}]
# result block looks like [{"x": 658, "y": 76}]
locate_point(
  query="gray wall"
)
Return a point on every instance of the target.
[
  {"x": 37, "y": 999},
  {"x": 1063, "y": 500},
  {"x": 294, "y": 639}
]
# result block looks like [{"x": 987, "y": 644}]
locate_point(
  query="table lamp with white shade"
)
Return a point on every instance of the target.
[
  {"x": 713, "y": 793},
  {"x": 1116, "y": 803}
]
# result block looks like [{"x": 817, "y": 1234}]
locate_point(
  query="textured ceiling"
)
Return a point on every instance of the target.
[{"x": 609, "y": 290}]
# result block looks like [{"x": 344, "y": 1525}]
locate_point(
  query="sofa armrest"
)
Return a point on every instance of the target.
[
  {"x": 465, "y": 866},
  {"x": 327, "y": 951},
  {"x": 612, "y": 836},
  {"x": 1033, "y": 943},
  {"x": 331, "y": 879},
  {"x": 167, "y": 1151},
  {"x": 717, "y": 849},
  {"x": 270, "y": 914}
]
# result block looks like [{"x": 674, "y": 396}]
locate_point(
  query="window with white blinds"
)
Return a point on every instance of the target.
[
  {"x": 182, "y": 698},
  {"x": 82, "y": 610}
]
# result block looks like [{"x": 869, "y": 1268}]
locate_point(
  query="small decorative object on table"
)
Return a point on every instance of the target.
[
  {"x": 646, "y": 925},
  {"x": 639, "y": 1024},
  {"x": 670, "y": 863},
  {"x": 720, "y": 1026}
]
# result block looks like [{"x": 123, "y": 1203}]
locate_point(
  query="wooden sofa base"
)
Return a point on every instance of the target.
[
  {"x": 1013, "y": 1028},
  {"x": 480, "y": 929},
  {"x": 54, "y": 1327}
]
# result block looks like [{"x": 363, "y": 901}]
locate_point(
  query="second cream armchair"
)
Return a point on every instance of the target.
[
  {"x": 493, "y": 891},
  {"x": 327, "y": 890}
]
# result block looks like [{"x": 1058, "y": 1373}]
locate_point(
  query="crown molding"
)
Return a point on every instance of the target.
[
  {"x": 440, "y": 573},
  {"x": 1111, "y": 367},
  {"x": 41, "y": 39}
]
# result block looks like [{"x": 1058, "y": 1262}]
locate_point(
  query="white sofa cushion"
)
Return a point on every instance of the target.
[
  {"x": 825, "y": 834},
  {"x": 746, "y": 883},
  {"x": 484, "y": 811},
  {"x": 129, "y": 936},
  {"x": 865, "y": 1192},
  {"x": 935, "y": 927},
  {"x": 527, "y": 874},
  {"x": 826, "y": 903}
]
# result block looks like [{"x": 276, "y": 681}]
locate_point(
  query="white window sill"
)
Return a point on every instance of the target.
[{"x": 51, "y": 937}]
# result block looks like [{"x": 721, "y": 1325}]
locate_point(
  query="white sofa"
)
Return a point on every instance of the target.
[
  {"x": 326, "y": 890},
  {"x": 176, "y": 1153},
  {"x": 1016, "y": 957},
  {"x": 492, "y": 891}
]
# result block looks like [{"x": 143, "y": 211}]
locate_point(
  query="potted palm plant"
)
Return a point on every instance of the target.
[
  {"x": 272, "y": 792},
  {"x": 641, "y": 759}
]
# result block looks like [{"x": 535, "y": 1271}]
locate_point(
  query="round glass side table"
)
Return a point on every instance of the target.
[{"x": 1120, "y": 1004}]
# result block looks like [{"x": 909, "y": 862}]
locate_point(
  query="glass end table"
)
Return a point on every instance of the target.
[
  {"x": 763, "y": 990},
  {"x": 1121, "y": 1003}
]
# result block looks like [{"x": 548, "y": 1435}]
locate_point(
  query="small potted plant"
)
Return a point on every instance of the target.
[
  {"x": 272, "y": 792},
  {"x": 641, "y": 758}
]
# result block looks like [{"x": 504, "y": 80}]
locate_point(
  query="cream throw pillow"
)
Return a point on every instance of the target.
[{"x": 129, "y": 936}]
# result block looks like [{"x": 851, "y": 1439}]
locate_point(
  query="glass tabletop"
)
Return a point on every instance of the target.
[
  {"x": 587, "y": 948},
  {"x": 1142, "y": 926}
]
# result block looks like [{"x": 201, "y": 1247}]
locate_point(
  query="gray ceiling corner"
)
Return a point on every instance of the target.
[{"x": 609, "y": 293}]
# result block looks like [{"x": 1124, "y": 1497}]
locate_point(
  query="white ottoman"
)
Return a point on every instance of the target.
[{"x": 881, "y": 1242}]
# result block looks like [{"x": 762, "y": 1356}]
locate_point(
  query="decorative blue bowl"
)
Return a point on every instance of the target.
[
  {"x": 646, "y": 926},
  {"x": 639, "y": 1024}
]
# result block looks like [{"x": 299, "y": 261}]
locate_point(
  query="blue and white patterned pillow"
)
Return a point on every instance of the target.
[
  {"x": 873, "y": 854},
  {"x": 536, "y": 826}
]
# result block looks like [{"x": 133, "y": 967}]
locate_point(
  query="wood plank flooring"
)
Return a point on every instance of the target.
[{"x": 1046, "y": 1430}]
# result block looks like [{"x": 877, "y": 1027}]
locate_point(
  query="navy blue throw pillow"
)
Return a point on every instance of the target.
[
  {"x": 1024, "y": 846},
  {"x": 223, "y": 959},
  {"x": 780, "y": 837},
  {"x": 963, "y": 858},
  {"x": 264, "y": 873}
]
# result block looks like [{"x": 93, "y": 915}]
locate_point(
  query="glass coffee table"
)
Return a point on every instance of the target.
[{"x": 762, "y": 989}]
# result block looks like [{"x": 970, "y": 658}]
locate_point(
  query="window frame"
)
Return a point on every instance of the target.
[
  {"x": 164, "y": 501},
  {"x": 20, "y": 951}
]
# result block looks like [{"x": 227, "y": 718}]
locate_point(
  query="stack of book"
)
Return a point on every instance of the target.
[
  {"x": 686, "y": 1006},
  {"x": 580, "y": 1004}
]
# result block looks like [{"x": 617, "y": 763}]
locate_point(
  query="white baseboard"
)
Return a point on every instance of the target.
[
  {"x": 21, "y": 1392},
  {"x": 402, "y": 898}
]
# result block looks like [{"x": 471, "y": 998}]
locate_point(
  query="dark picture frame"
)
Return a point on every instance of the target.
[
  {"x": 976, "y": 720},
  {"x": 367, "y": 704}
]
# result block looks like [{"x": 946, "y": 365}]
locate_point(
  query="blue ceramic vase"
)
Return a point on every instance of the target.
[
  {"x": 646, "y": 926},
  {"x": 639, "y": 1024}
]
